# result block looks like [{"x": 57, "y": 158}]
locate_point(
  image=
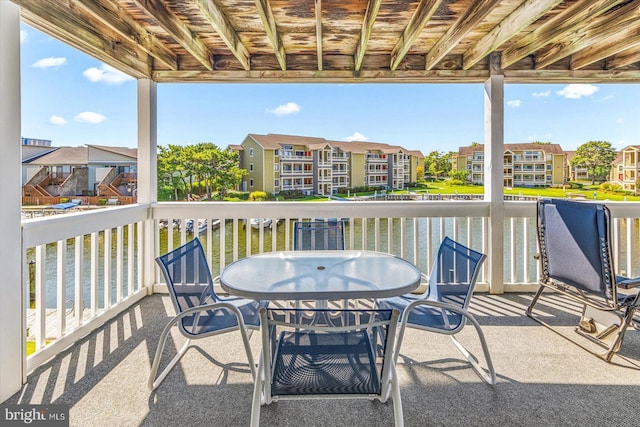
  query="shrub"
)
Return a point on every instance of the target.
[
  {"x": 102, "y": 202},
  {"x": 291, "y": 194},
  {"x": 257, "y": 195},
  {"x": 64, "y": 199}
]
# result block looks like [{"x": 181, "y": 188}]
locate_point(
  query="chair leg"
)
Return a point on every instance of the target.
[
  {"x": 397, "y": 401},
  {"x": 153, "y": 382},
  {"x": 258, "y": 385},
  {"x": 488, "y": 374}
]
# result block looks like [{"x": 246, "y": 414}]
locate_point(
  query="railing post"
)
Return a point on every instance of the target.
[
  {"x": 494, "y": 172},
  {"x": 12, "y": 260},
  {"x": 147, "y": 171}
]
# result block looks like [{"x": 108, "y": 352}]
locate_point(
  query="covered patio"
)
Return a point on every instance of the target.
[{"x": 102, "y": 351}]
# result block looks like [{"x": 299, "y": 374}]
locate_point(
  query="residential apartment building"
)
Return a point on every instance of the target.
[
  {"x": 575, "y": 173},
  {"x": 277, "y": 163},
  {"x": 525, "y": 165},
  {"x": 626, "y": 168}
]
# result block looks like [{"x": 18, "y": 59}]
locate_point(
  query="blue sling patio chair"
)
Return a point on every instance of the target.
[
  {"x": 318, "y": 235},
  {"x": 327, "y": 354},
  {"x": 443, "y": 307},
  {"x": 576, "y": 262},
  {"x": 200, "y": 312}
]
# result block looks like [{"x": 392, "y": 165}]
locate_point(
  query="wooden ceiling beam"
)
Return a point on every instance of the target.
[
  {"x": 623, "y": 59},
  {"x": 527, "y": 13},
  {"x": 225, "y": 30},
  {"x": 611, "y": 26},
  {"x": 269, "y": 22},
  {"x": 85, "y": 36},
  {"x": 627, "y": 40},
  {"x": 113, "y": 17},
  {"x": 471, "y": 17},
  {"x": 373, "y": 7},
  {"x": 420, "y": 17},
  {"x": 319, "y": 32},
  {"x": 556, "y": 28},
  {"x": 178, "y": 30},
  {"x": 398, "y": 76}
]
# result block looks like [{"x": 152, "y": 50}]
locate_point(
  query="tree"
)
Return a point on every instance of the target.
[
  {"x": 596, "y": 157},
  {"x": 438, "y": 163},
  {"x": 459, "y": 175}
]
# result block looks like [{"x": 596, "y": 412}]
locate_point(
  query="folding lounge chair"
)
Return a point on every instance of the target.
[
  {"x": 576, "y": 261},
  {"x": 443, "y": 308},
  {"x": 327, "y": 354},
  {"x": 200, "y": 312}
]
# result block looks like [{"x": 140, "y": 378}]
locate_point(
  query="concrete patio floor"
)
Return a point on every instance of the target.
[{"x": 543, "y": 380}]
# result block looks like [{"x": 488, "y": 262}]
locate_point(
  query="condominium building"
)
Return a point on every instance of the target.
[
  {"x": 575, "y": 173},
  {"x": 626, "y": 168},
  {"x": 525, "y": 165},
  {"x": 277, "y": 163}
]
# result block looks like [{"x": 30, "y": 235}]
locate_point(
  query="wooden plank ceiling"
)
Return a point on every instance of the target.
[{"x": 358, "y": 40}]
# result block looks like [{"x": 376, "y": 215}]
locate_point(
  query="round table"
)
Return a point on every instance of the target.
[{"x": 320, "y": 275}]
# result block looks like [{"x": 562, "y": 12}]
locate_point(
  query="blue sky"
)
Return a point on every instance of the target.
[{"x": 73, "y": 99}]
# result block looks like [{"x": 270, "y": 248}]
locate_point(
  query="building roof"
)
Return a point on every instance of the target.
[
  {"x": 351, "y": 41},
  {"x": 123, "y": 151},
  {"x": 547, "y": 148},
  {"x": 63, "y": 156},
  {"x": 274, "y": 142}
]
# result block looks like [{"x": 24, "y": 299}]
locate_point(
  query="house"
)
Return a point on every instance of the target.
[
  {"x": 93, "y": 170},
  {"x": 314, "y": 165}
]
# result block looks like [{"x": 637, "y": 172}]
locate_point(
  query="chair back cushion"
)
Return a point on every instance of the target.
[
  {"x": 454, "y": 273},
  {"x": 328, "y": 352},
  {"x": 188, "y": 279},
  {"x": 573, "y": 238},
  {"x": 318, "y": 235}
]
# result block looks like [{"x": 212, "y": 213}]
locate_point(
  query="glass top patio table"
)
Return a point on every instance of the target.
[{"x": 320, "y": 275}]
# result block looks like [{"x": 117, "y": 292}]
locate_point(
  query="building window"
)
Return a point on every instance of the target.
[
  {"x": 251, "y": 182},
  {"x": 276, "y": 153},
  {"x": 250, "y": 167},
  {"x": 276, "y": 183},
  {"x": 250, "y": 152},
  {"x": 276, "y": 167}
]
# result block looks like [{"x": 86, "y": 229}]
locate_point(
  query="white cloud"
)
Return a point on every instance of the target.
[
  {"x": 285, "y": 109},
  {"x": 106, "y": 74},
  {"x": 24, "y": 36},
  {"x": 577, "y": 91},
  {"x": 620, "y": 121},
  {"x": 57, "y": 120},
  {"x": 541, "y": 94},
  {"x": 45, "y": 63},
  {"x": 514, "y": 104},
  {"x": 89, "y": 117},
  {"x": 357, "y": 136},
  {"x": 606, "y": 98}
]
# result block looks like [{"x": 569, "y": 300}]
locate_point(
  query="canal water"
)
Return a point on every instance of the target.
[{"x": 429, "y": 231}]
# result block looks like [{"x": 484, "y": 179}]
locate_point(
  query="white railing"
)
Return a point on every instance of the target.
[
  {"x": 80, "y": 270},
  {"x": 87, "y": 267}
]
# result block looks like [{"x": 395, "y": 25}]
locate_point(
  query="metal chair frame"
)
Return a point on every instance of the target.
[
  {"x": 209, "y": 304},
  {"x": 447, "y": 317},
  {"x": 576, "y": 261},
  {"x": 298, "y": 344}
]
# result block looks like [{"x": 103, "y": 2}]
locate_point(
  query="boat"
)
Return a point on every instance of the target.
[{"x": 265, "y": 222}]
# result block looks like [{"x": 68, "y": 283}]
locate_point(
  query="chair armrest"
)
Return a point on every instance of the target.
[{"x": 627, "y": 283}]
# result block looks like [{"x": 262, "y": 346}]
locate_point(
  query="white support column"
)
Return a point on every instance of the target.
[
  {"x": 12, "y": 351},
  {"x": 147, "y": 169},
  {"x": 494, "y": 177}
]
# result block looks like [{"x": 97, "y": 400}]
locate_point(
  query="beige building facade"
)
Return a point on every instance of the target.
[
  {"x": 318, "y": 166},
  {"x": 626, "y": 168},
  {"x": 525, "y": 165}
]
